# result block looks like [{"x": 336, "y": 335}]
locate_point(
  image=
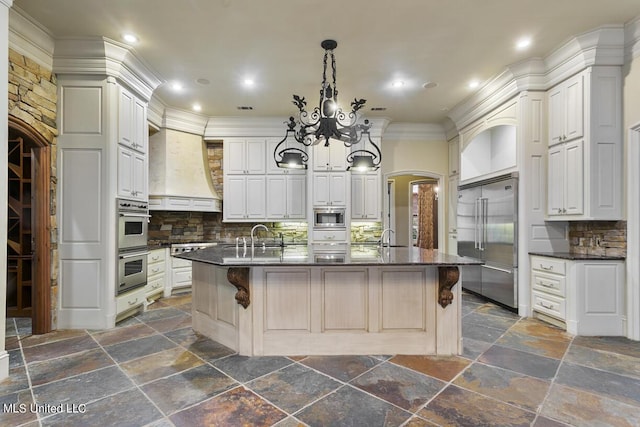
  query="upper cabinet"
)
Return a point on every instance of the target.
[
  {"x": 585, "y": 146},
  {"x": 244, "y": 156},
  {"x": 331, "y": 158},
  {"x": 132, "y": 147},
  {"x": 566, "y": 115},
  {"x": 365, "y": 196},
  {"x": 454, "y": 156}
]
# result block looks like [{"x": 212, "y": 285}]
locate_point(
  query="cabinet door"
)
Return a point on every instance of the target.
[
  {"x": 454, "y": 156},
  {"x": 296, "y": 197},
  {"x": 276, "y": 197},
  {"x": 574, "y": 181},
  {"x": 321, "y": 189},
  {"x": 140, "y": 131},
  {"x": 255, "y": 156},
  {"x": 338, "y": 156},
  {"x": 338, "y": 189},
  {"x": 234, "y": 156},
  {"x": 556, "y": 114},
  {"x": 256, "y": 197},
  {"x": 357, "y": 196},
  {"x": 139, "y": 176},
  {"x": 125, "y": 118},
  {"x": 574, "y": 112},
  {"x": 234, "y": 197},
  {"x": 555, "y": 184},
  {"x": 371, "y": 197},
  {"x": 126, "y": 160},
  {"x": 453, "y": 204}
]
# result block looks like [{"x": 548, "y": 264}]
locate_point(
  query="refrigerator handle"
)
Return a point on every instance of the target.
[
  {"x": 485, "y": 207},
  {"x": 476, "y": 225}
]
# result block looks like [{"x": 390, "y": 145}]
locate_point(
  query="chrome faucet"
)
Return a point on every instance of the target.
[
  {"x": 382, "y": 236},
  {"x": 254, "y": 229}
]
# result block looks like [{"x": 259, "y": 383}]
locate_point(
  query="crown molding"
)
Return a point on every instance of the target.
[
  {"x": 184, "y": 121},
  {"x": 602, "y": 46},
  {"x": 29, "y": 38},
  {"x": 7, "y": 3},
  {"x": 155, "y": 112},
  {"x": 632, "y": 39},
  {"x": 414, "y": 132},
  {"x": 103, "y": 56}
]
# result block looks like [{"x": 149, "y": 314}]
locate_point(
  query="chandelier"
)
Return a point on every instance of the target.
[{"x": 327, "y": 121}]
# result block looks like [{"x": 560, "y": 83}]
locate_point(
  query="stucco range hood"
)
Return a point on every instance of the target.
[{"x": 179, "y": 177}]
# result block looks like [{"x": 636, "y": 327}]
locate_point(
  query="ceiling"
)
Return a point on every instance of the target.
[{"x": 277, "y": 44}]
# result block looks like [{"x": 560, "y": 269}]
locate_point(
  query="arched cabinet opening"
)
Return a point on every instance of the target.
[{"x": 492, "y": 150}]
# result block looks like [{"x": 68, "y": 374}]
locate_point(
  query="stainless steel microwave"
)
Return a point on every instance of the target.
[{"x": 329, "y": 218}]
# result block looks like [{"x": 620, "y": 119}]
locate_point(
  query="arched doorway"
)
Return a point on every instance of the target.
[
  {"x": 28, "y": 226},
  {"x": 399, "y": 206}
]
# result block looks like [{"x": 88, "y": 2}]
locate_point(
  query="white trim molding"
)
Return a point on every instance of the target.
[
  {"x": 414, "y": 132},
  {"x": 632, "y": 39},
  {"x": 29, "y": 38},
  {"x": 633, "y": 233}
]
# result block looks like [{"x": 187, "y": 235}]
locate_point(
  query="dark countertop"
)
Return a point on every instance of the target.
[
  {"x": 324, "y": 255},
  {"x": 578, "y": 257}
]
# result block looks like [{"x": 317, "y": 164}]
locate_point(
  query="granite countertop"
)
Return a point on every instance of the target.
[
  {"x": 578, "y": 257},
  {"x": 324, "y": 255}
]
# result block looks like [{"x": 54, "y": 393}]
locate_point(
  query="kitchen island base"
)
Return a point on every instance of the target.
[{"x": 329, "y": 310}]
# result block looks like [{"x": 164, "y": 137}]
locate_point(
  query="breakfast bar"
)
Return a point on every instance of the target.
[{"x": 328, "y": 300}]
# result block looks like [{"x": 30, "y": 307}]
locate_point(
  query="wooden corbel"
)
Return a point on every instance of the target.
[
  {"x": 448, "y": 276},
  {"x": 239, "y": 277}
]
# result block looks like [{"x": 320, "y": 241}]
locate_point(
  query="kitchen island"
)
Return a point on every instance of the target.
[{"x": 328, "y": 299}]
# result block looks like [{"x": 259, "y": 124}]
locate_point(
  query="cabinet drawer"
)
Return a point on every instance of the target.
[
  {"x": 179, "y": 262},
  {"x": 158, "y": 255},
  {"x": 154, "y": 286},
  {"x": 130, "y": 300},
  {"x": 155, "y": 269},
  {"x": 550, "y": 283},
  {"x": 548, "y": 265},
  {"x": 548, "y": 304},
  {"x": 338, "y": 236}
]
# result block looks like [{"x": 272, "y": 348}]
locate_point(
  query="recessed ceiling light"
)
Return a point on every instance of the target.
[
  {"x": 523, "y": 43},
  {"x": 248, "y": 82},
  {"x": 197, "y": 107},
  {"x": 429, "y": 85},
  {"x": 397, "y": 83},
  {"x": 474, "y": 84},
  {"x": 130, "y": 38},
  {"x": 177, "y": 86}
]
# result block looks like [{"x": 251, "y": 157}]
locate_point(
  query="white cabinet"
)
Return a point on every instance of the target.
[
  {"x": 244, "y": 156},
  {"x": 244, "y": 197},
  {"x": 566, "y": 116},
  {"x": 132, "y": 174},
  {"x": 156, "y": 273},
  {"x": 132, "y": 122},
  {"x": 180, "y": 276},
  {"x": 329, "y": 189},
  {"x": 365, "y": 196},
  {"x": 585, "y": 147},
  {"x": 272, "y": 168},
  {"x": 454, "y": 156},
  {"x": 132, "y": 147},
  {"x": 566, "y": 179},
  {"x": 129, "y": 303},
  {"x": 586, "y": 296},
  {"x": 331, "y": 158},
  {"x": 286, "y": 197},
  {"x": 452, "y": 215}
]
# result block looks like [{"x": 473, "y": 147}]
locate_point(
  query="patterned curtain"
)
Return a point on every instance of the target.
[{"x": 427, "y": 238}]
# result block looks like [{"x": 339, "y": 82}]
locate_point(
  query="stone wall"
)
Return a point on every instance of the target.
[
  {"x": 598, "y": 237},
  {"x": 33, "y": 98}
]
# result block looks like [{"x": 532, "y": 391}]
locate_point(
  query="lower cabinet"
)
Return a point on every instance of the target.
[
  {"x": 586, "y": 297},
  {"x": 156, "y": 273},
  {"x": 180, "y": 276},
  {"x": 129, "y": 303}
]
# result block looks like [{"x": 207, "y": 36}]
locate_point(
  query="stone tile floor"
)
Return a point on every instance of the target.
[{"x": 153, "y": 370}]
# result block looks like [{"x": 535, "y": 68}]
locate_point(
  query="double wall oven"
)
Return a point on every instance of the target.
[{"x": 133, "y": 223}]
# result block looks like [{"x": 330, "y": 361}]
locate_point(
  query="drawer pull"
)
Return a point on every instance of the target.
[
  {"x": 550, "y": 268},
  {"x": 547, "y": 306},
  {"x": 133, "y": 302},
  {"x": 155, "y": 270},
  {"x": 155, "y": 257},
  {"x": 545, "y": 284}
]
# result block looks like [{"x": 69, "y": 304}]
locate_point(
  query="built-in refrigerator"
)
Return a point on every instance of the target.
[{"x": 488, "y": 230}]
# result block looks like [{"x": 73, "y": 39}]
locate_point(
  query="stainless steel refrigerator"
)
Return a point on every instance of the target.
[{"x": 488, "y": 230}]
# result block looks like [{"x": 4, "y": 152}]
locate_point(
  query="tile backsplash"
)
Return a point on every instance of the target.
[{"x": 598, "y": 237}]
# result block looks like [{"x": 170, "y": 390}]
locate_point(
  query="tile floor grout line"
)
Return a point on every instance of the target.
[{"x": 26, "y": 370}]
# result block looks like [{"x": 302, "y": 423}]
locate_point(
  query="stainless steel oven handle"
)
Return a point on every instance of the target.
[
  {"x": 136, "y": 215},
  {"x": 137, "y": 254},
  {"x": 497, "y": 269}
]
